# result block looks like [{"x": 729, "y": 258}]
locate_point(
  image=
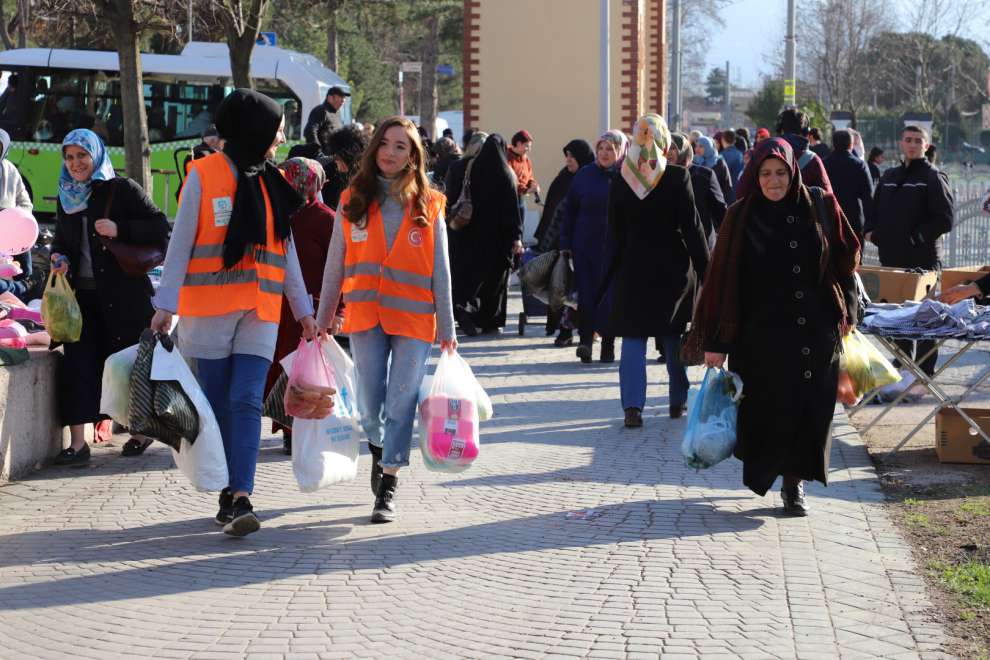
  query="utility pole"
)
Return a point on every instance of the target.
[
  {"x": 605, "y": 89},
  {"x": 189, "y": 18},
  {"x": 790, "y": 60},
  {"x": 727, "y": 99},
  {"x": 675, "y": 65}
]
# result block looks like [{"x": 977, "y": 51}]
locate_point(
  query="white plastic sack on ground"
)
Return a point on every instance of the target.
[
  {"x": 115, "y": 395},
  {"x": 203, "y": 462},
  {"x": 481, "y": 399},
  {"x": 325, "y": 451}
]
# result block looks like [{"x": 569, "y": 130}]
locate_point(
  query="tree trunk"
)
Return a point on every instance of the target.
[
  {"x": 240, "y": 63},
  {"x": 428, "y": 78},
  {"x": 333, "y": 49},
  {"x": 136, "y": 148},
  {"x": 8, "y": 43},
  {"x": 24, "y": 19},
  {"x": 243, "y": 25}
]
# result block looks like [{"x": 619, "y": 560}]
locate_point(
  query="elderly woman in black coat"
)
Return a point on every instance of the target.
[
  {"x": 95, "y": 206},
  {"x": 779, "y": 295},
  {"x": 659, "y": 252}
]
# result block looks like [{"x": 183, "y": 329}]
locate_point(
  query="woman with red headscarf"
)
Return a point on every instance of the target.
[{"x": 778, "y": 296}]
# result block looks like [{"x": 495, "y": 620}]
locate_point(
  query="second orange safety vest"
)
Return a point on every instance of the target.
[
  {"x": 257, "y": 281},
  {"x": 392, "y": 288}
]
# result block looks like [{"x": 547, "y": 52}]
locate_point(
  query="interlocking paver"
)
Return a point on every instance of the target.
[{"x": 571, "y": 537}]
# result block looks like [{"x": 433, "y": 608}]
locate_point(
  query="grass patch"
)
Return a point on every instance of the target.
[
  {"x": 970, "y": 579},
  {"x": 978, "y": 508}
]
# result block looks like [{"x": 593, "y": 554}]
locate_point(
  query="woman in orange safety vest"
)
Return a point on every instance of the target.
[
  {"x": 388, "y": 259},
  {"x": 229, "y": 261}
]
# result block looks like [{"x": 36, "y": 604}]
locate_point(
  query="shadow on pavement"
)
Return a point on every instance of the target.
[{"x": 273, "y": 553}]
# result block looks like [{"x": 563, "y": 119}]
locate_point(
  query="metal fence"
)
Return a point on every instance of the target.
[{"x": 968, "y": 244}]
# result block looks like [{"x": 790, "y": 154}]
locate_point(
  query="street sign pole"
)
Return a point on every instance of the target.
[{"x": 790, "y": 61}]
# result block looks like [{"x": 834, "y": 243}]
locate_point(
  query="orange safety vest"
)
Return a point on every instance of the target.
[
  {"x": 257, "y": 281},
  {"x": 394, "y": 288}
]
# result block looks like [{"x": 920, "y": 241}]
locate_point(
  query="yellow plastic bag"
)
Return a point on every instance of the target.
[
  {"x": 60, "y": 311},
  {"x": 868, "y": 369}
]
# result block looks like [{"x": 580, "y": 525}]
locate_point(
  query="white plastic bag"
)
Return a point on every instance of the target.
[
  {"x": 325, "y": 451},
  {"x": 481, "y": 399},
  {"x": 115, "y": 395},
  {"x": 203, "y": 462}
]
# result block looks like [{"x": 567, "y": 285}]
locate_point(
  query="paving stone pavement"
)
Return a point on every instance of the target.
[{"x": 570, "y": 537}]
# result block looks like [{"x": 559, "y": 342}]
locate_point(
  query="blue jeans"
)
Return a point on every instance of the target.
[
  {"x": 389, "y": 371},
  {"x": 234, "y": 386},
  {"x": 632, "y": 372}
]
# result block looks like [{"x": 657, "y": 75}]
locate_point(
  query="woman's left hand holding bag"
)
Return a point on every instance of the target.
[
  {"x": 106, "y": 227},
  {"x": 161, "y": 322},
  {"x": 309, "y": 327}
]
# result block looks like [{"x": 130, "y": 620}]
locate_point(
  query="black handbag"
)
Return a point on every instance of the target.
[
  {"x": 463, "y": 208},
  {"x": 159, "y": 409}
]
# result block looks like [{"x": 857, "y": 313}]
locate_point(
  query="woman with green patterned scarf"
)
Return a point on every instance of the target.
[{"x": 659, "y": 254}]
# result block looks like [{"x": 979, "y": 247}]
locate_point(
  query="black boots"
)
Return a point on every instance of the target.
[
  {"x": 385, "y": 500},
  {"x": 226, "y": 512},
  {"x": 795, "y": 503},
  {"x": 677, "y": 410},
  {"x": 608, "y": 350},
  {"x": 243, "y": 520},
  {"x": 376, "y": 468},
  {"x": 634, "y": 418}
]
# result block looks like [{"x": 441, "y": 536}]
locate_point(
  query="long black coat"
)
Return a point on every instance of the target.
[
  {"x": 708, "y": 197},
  {"x": 659, "y": 253},
  {"x": 787, "y": 349},
  {"x": 125, "y": 302}
]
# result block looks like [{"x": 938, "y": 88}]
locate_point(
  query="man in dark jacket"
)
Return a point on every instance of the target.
[
  {"x": 325, "y": 116},
  {"x": 731, "y": 154},
  {"x": 791, "y": 125},
  {"x": 851, "y": 182},
  {"x": 912, "y": 208},
  {"x": 815, "y": 143}
]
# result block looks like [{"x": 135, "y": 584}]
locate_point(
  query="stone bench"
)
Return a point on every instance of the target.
[{"x": 30, "y": 432}]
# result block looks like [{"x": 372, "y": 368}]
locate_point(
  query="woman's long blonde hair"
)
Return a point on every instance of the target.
[{"x": 412, "y": 187}]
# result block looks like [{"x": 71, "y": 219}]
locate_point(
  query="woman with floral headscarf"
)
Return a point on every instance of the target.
[
  {"x": 778, "y": 296},
  {"x": 583, "y": 236},
  {"x": 94, "y": 204},
  {"x": 706, "y": 155},
  {"x": 658, "y": 252},
  {"x": 312, "y": 226}
]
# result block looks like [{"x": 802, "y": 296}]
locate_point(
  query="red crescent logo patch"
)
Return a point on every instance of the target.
[{"x": 415, "y": 237}]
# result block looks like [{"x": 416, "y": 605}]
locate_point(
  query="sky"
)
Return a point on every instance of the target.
[{"x": 756, "y": 26}]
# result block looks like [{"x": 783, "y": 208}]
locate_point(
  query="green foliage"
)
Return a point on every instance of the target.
[
  {"x": 374, "y": 37},
  {"x": 715, "y": 86},
  {"x": 971, "y": 580},
  {"x": 766, "y": 105}
]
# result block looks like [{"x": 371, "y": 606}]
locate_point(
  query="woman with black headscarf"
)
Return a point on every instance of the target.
[
  {"x": 778, "y": 296},
  {"x": 230, "y": 259},
  {"x": 577, "y": 154},
  {"x": 487, "y": 244}
]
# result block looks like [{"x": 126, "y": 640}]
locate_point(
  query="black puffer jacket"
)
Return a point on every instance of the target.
[{"x": 912, "y": 209}]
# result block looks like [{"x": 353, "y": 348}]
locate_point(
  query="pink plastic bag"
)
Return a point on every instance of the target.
[
  {"x": 448, "y": 423},
  {"x": 309, "y": 392}
]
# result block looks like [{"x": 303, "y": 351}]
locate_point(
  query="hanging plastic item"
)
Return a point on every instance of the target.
[
  {"x": 710, "y": 435},
  {"x": 448, "y": 422},
  {"x": 60, "y": 310}
]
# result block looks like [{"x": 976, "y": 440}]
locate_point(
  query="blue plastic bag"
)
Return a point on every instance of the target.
[{"x": 711, "y": 428}]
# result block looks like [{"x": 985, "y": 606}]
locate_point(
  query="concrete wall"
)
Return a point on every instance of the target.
[
  {"x": 29, "y": 429},
  {"x": 539, "y": 68}
]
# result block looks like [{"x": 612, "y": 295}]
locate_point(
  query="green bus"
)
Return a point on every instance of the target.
[{"x": 49, "y": 92}]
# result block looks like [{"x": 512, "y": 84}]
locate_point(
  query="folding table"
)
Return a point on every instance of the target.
[{"x": 929, "y": 382}]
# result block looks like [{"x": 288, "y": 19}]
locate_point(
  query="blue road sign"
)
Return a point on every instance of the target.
[
  {"x": 445, "y": 69},
  {"x": 267, "y": 39}
]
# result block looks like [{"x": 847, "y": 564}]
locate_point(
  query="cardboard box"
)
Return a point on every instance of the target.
[
  {"x": 954, "y": 439},
  {"x": 963, "y": 275},
  {"x": 894, "y": 285}
]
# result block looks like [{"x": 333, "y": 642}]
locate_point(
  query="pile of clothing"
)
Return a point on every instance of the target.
[
  {"x": 20, "y": 325},
  {"x": 929, "y": 318}
]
